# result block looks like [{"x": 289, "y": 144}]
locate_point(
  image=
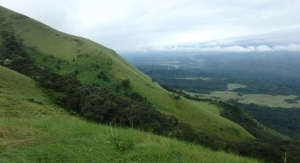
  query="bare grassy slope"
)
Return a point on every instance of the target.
[{"x": 85, "y": 56}]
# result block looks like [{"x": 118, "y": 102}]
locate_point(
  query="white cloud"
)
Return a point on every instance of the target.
[
  {"x": 263, "y": 48},
  {"x": 132, "y": 24},
  {"x": 291, "y": 47},
  {"x": 240, "y": 49}
]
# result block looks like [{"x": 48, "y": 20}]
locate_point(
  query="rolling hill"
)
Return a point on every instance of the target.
[
  {"x": 33, "y": 129},
  {"x": 89, "y": 58}
]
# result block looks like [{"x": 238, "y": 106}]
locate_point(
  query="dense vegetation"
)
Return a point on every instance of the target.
[
  {"x": 281, "y": 119},
  {"x": 201, "y": 81},
  {"x": 271, "y": 66},
  {"x": 267, "y": 145}
]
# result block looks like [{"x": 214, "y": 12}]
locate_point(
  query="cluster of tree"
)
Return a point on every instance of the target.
[
  {"x": 201, "y": 82},
  {"x": 11, "y": 47},
  {"x": 271, "y": 87},
  {"x": 266, "y": 146},
  {"x": 132, "y": 110},
  {"x": 184, "y": 80},
  {"x": 283, "y": 120},
  {"x": 103, "y": 75}
]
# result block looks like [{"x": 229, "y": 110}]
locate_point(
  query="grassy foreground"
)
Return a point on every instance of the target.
[{"x": 34, "y": 130}]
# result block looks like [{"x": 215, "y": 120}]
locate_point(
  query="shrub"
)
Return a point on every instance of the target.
[{"x": 126, "y": 82}]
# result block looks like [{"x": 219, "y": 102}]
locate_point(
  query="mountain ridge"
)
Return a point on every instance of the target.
[{"x": 85, "y": 55}]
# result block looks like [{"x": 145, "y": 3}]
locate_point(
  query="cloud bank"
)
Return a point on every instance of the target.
[
  {"x": 241, "y": 49},
  {"x": 257, "y": 25}
]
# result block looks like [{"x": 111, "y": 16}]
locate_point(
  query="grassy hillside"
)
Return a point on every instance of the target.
[
  {"x": 87, "y": 58},
  {"x": 32, "y": 129}
]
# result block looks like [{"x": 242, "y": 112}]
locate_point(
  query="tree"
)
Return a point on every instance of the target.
[{"x": 126, "y": 82}]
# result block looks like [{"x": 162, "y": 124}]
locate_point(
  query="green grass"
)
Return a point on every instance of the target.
[
  {"x": 50, "y": 42},
  {"x": 35, "y": 132},
  {"x": 260, "y": 99},
  {"x": 231, "y": 87},
  {"x": 209, "y": 107},
  {"x": 66, "y": 139}
]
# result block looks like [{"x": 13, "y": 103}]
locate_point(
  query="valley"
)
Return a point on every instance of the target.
[
  {"x": 242, "y": 77},
  {"x": 255, "y": 82}
]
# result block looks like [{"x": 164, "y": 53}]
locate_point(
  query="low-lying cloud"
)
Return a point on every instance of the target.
[{"x": 260, "y": 48}]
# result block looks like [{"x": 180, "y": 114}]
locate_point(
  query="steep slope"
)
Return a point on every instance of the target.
[
  {"x": 34, "y": 130},
  {"x": 89, "y": 58}
]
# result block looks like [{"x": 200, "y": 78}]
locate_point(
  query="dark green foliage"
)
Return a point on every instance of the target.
[
  {"x": 126, "y": 83},
  {"x": 11, "y": 47},
  {"x": 117, "y": 88},
  {"x": 186, "y": 95},
  {"x": 266, "y": 147},
  {"x": 98, "y": 104},
  {"x": 263, "y": 150},
  {"x": 195, "y": 80},
  {"x": 238, "y": 115},
  {"x": 270, "y": 151},
  {"x": 177, "y": 97},
  {"x": 272, "y": 87},
  {"x": 23, "y": 65},
  {"x": 283, "y": 120},
  {"x": 66, "y": 83},
  {"x": 291, "y": 101},
  {"x": 167, "y": 88},
  {"x": 76, "y": 72},
  {"x": 185, "y": 80},
  {"x": 103, "y": 75},
  {"x": 137, "y": 97}
]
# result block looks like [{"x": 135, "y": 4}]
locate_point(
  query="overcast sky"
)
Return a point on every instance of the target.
[{"x": 173, "y": 25}]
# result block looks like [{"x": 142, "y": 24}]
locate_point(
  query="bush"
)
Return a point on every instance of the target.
[
  {"x": 103, "y": 75},
  {"x": 126, "y": 82}
]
